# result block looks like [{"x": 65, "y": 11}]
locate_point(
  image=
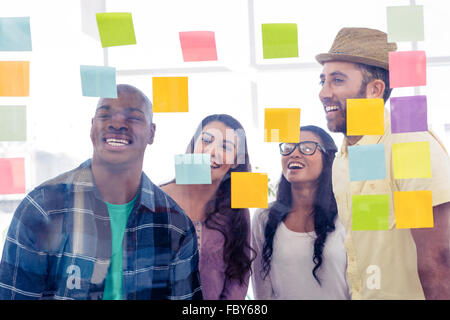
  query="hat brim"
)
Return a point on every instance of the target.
[{"x": 327, "y": 57}]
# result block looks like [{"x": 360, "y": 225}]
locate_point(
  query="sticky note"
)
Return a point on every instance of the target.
[
  {"x": 170, "y": 94},
  {"x": 409, "y": 114},
  {"x": 405, "y": 23},
  {"x": 367, "y": 162},
  {"x": 14, "y": 78},
  {"x": 279, "y": 40},
  {"x": 411, "y": 160},
  {"x": 282, "y": 125},
  {"x": 98, "y": 81},
  {"x": 249, "y": 190},
  {"x": 407, "y": 69},
  {"x": 413, "y": 209},
  {"x": 13, "y": 123},
  {"x": 15, "y": 34},
  {"x": 198, "y": 45},
  {"x": 193, "y": 168},
  {"x": 115, "y": 29},
  {"x": 12, "y": 171},
  {"x": 370, "y": 212},
  {"x": 365, "y": 117}
]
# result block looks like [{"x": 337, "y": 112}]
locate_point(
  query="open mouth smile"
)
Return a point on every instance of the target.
[
  {"x": 294, "y": 165},
  {"x": 331, "y": 108},
  {"x": 117, "y": 142},
  {"x": 215, "y": 165}
]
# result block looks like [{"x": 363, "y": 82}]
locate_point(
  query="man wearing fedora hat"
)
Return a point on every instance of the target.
[{"x": 394, "y": 263}]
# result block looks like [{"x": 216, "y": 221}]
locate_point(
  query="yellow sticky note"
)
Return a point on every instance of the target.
[
  {"x": 365, "y": 117},
  {"x": 249, "y": 190},
  {"x": 413, "y": 209},
  {"x": 14, "y": 78},
  {"x": 170, "y": 94},
  {"x": 411, "y": 160},
  {"x": 282, "y": 125}
]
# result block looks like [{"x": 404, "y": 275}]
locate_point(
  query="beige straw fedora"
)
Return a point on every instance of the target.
[{"x": 360, "y": 45}]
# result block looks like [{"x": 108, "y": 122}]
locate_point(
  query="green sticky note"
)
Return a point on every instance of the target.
[
  {"x": 116, "y": 29},
  {"x": 280, "y": 40},
  {"x": 370, "y": 212},
  {"x": 13, "y": 123},
  {"x": 405, "y": 23}
]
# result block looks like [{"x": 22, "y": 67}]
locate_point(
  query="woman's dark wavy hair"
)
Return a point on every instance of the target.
[
  {"x": 231, "y": 223},
  {"x": 324, "y": 212}
]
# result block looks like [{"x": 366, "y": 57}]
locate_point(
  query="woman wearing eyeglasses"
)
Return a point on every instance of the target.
[
  {"x": 223, "y": 233},
  {"x": 298, "y": 239}
]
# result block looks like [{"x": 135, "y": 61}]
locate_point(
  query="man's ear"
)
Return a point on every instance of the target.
[
  {"x": 375, "y": 89},
  {"x": 152, "y": 133}
]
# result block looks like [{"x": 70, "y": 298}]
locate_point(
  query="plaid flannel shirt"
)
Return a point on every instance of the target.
[{"x": 59, "y": 244}]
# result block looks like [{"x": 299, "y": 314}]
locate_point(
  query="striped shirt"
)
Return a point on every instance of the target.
[{"x": 59, "y": 244}]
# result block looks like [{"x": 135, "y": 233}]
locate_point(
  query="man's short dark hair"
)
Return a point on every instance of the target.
[{"x": 371, "y": 73}]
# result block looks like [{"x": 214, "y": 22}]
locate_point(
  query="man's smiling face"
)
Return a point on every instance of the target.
[
  {"x": 121, "y": 129},
  {"x": 340, "y": 81}
]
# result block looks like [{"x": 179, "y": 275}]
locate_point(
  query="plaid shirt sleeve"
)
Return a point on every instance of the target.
[
  {"x": 184, "y": 273},
  {"x": 23, "y": 268}
]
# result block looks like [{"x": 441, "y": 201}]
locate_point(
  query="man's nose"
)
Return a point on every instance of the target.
[
  {"x": 118, "y": 122},
  {"x": 325, "y": 92}
]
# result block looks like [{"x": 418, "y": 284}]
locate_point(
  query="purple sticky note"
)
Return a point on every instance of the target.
[{"x": 409, "y": 114}]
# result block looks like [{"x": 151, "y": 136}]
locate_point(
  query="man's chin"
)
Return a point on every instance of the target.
[
  {"x": 113, "y": 161},
  {"x": 336, "y": 129}
]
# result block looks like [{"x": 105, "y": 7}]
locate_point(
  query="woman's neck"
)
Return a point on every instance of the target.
[{"x": 303, "y": 198}]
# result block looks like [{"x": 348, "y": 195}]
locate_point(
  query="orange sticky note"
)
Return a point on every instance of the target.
[
  {"x": 407, "y": 69},
  {"x": 12, "y": 173},
  {"x": 365, "y": 117},
  {"x": 282, "y": 125},
  {"x": 170, "y": 94},
  {"x": 249, "y": 190},
  {"x": 411, "y": 160},
  {"x": 413, "y": 209},
  {"x": 14, "y": 78}
]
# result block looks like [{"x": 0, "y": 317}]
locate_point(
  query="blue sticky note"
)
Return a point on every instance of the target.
[
  {"x": 15, "y": 34},
  {"x": 193, "y": 168},
  {"x": 367, "y": 162},
  {"x": 98, "y": 81}
]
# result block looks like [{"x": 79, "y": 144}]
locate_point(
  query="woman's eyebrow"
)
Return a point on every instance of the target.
[{"x": 225, "y": 141}]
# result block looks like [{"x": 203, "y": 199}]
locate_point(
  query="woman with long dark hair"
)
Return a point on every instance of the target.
[
  {"x": 223, "y": 233},
  {"x": 299, "y": 241}
]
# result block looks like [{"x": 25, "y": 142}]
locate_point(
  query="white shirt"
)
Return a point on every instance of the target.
[{"x": 290, "y": 276}]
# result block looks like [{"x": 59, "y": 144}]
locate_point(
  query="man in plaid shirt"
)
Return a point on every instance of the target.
[{"x": 60, "y": 243}]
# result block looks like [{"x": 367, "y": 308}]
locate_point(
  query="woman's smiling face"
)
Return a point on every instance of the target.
[
  {"x": 221, "y": 142},
  {"x": 300, "y": 168}
]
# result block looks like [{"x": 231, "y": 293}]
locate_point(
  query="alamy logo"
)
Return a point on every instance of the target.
[
  {"x": 74, "y": 279},
  {"x": 374, "y": 280}
]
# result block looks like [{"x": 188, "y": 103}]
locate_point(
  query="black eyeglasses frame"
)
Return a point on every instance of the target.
[{"x": 297, "y": 145}]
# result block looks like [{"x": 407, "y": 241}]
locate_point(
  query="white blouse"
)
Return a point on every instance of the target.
[{"x": 290, "y": 276}]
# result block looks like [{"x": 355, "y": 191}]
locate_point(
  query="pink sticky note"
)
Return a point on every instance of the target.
[
  {"x": 12, "y": 171},
  {"x": 198, "y": 45},
  {"x": 407, "y": 69}
]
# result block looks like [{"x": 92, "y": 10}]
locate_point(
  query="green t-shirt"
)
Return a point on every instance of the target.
[{"x": 118, "y": 214}]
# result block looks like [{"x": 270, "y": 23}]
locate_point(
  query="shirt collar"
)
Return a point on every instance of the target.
[
  {"x": 84, "y": 182},
  {"x": 372, "y": 139}
]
